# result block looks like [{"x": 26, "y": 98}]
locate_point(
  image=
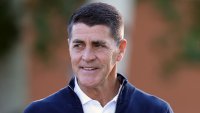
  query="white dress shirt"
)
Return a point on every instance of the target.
[{"x": 94, "y": 106}]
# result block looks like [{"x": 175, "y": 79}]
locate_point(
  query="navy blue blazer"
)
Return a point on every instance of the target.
[{"x": 130, "y": 100}]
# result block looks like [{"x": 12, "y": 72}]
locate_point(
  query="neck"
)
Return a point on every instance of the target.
[{"x": 105, "y": 92}]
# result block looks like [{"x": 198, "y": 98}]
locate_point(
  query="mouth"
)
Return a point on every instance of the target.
[{"x": 88, "y": 68}]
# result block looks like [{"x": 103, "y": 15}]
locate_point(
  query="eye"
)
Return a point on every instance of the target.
[
  {"x": 99, "y": 45},
  {"x": 77, "y": 45}
]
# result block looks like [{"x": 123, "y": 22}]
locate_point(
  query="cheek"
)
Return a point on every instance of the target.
[
  {"x": 109, "y": 57},
  {"x": 114, "y": 57},
  {"x": 75, "y": 58}
]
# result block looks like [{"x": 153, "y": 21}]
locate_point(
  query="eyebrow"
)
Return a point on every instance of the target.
[
  {"x": 99, "y": 42},
  {"x": 77, "y": 41}
]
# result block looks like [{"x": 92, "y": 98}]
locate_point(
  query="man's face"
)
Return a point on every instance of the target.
[{"x": 93, "y": 53}]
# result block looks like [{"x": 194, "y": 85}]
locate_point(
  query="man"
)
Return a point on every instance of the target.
[{"x": 96, "y": 45}]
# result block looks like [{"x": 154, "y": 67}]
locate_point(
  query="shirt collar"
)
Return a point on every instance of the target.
[
  {"x": 116, "y": 96},
  {"x": 82, "y": 96}
]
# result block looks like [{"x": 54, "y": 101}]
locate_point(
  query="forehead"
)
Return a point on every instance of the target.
[{"x": 81, "y": 30}]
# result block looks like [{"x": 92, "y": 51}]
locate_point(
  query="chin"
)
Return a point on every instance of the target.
[{"x": 88, "y": 81}]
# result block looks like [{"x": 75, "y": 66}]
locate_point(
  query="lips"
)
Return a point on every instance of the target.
[{"x": 88, "y": 68}]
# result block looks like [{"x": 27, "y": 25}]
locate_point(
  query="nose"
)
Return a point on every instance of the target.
[{"x": 88, "y": 55}]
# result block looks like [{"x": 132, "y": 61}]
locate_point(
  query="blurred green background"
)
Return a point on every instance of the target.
[{"x": 33, "y": 31}]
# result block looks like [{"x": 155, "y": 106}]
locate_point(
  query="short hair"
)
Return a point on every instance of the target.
[{"x": 98, "y": 14}]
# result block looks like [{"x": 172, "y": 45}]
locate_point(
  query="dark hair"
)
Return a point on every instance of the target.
[{"x": 98, "y": 14}]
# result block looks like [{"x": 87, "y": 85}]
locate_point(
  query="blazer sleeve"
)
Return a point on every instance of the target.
[
  {"x": 169, "y": 110},
  {"x": 37, "y": 107}
]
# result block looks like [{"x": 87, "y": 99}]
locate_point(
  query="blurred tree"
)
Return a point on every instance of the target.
[
  {"x": 186, "y": 40},
  {"x": 45, "y": 10},
  {"x": 8, "y": 27},
  {"x": 41, "y": 11}
]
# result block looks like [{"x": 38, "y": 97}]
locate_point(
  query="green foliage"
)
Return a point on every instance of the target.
[
  {"x": 44, "y": 38},
  {"x": 188, "y": 42},
  {"x": 191, "y": 46},
  {"x": 42, "y": 12},
  {"x": 8, "y": 27},
  {"x": 167, "y": 9}
]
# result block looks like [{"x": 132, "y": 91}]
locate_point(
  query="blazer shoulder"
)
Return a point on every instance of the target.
[
  {"x": 152, "y": 101},
  {"x": 37, "y": 107},
  {"x": 145, "y": 100},
  {"x": 48, "y": 104}
]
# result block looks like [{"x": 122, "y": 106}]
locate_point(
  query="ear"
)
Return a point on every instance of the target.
[
  {"x": 122, "y": 49},
  {"x": 68, "y": 40}
]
